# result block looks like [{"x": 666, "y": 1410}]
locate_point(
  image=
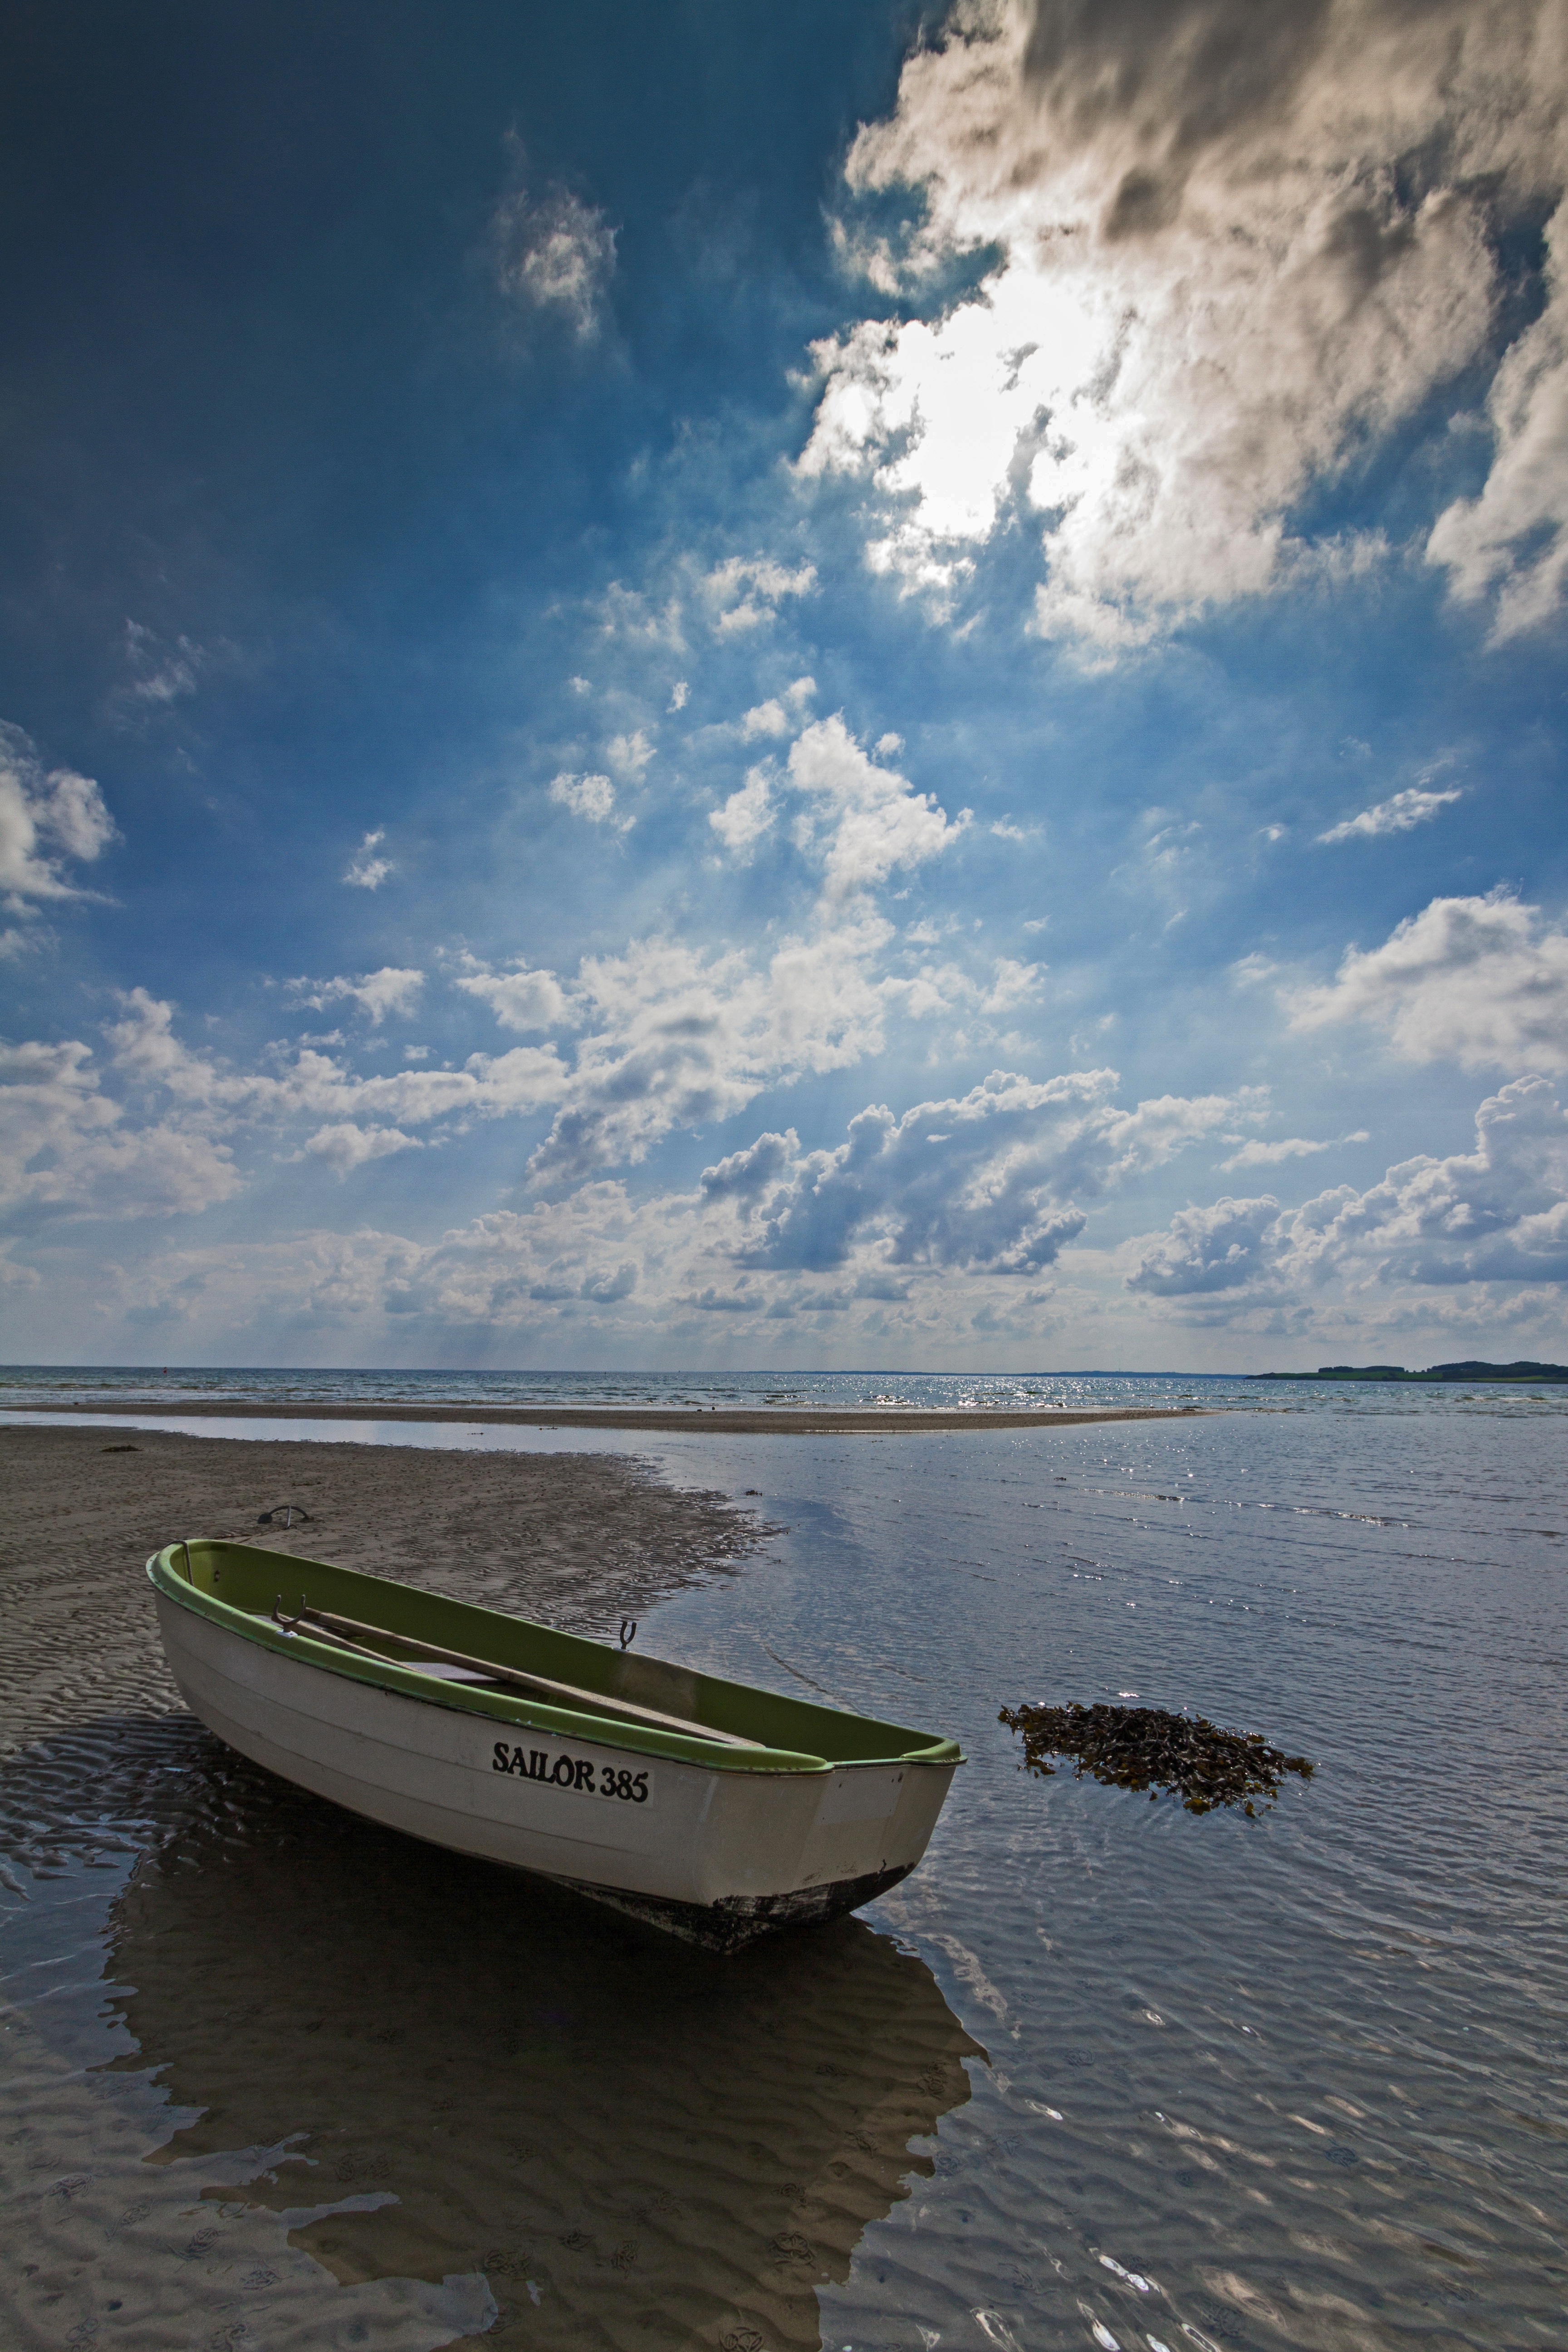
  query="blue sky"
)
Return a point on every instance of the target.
[{"x": 784, "y": 687}]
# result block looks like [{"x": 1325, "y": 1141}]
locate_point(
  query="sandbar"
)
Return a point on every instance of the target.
[{"x": 711, "y": 1421}]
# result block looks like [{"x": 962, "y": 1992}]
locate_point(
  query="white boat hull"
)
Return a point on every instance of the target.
[{"x": 720, "y": 1855}]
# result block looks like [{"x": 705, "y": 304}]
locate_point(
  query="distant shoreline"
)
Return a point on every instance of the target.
[
  {"x": 1470, "y": 1376},
  {"x": 710, "y": 1421}
]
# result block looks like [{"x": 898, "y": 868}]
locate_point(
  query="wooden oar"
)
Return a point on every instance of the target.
[{"x": 342, "y": 1627}]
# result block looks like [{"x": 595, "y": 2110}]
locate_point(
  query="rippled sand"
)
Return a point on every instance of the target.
[{"x": 400, "y": 2071}]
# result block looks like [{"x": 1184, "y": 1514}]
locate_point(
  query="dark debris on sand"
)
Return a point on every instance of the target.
[{"x": 1147, "y": 1748}]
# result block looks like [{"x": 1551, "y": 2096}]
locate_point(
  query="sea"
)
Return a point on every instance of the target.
[
  {"x": 1101, "y": 2072},
  {"x": 30, "y": 1387},
  {"x": 39, "y": 1386}
]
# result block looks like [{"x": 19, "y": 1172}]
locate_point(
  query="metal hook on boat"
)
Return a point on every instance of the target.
[
  {"x": 628, "y": 1631},
  {"x": 290, "y": 1624}
]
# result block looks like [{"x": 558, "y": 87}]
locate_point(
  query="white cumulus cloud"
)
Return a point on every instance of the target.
[
  {"x": 629, "y": 754},
  {"x": 674, "y": 1037},
  {"x": 520, "y": 998},
  {"x": 148, "y": 1052},
  {"x": 593, "y": 797},
  {"x": 666, "y": 1036},
  {"x": 1497, "y": 1215},
  {"x": 859, "y": 820},
  {"x": 1204, "y": 1250},
  {"x": 344, "y": 1147},
  {"x": 1481, "y": 981},
  {"x": 366, "y": 870},
  {"x": 992, "y": 1180},
  {"x": 872, "y": 820},
  {"x": 64, "y": 1144},
  {"x": 779, "y": 713},
  {"x": 746, "y": 816},
  {"x": 1015, "y": 983},
  {"x": 43, "y": 819},
  {"x": 395, "y": 989}
]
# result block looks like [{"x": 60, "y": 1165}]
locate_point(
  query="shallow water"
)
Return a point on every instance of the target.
[{"x": 1101, "y": 2070}]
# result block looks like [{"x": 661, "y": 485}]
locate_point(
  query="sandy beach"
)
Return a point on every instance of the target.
[{"x": 576, "y": 1540}]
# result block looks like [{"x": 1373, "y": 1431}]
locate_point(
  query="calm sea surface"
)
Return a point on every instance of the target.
[
  {"x": 1101, "y": 2072},
  {"x": 24, "y": 1387}
]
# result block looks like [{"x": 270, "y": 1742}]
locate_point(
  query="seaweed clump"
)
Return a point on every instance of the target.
[{"x": 1147, "y": 1748}]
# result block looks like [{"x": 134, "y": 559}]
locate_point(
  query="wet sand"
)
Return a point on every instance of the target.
[
  {"x": 577, "y": 1540},
  {"x": 328, "y": 2087},
  {"x": 712, "y": 1420}
]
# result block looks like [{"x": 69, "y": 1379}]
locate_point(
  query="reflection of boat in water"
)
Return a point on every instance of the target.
[
  {"x": 633, "y": 2141},
  {"x": 703, "y": 1805}
]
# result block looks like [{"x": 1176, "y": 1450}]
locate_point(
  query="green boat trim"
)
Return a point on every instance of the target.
[{"x": 792, "y": 1735}]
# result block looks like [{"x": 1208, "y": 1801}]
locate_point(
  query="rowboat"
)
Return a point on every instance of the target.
[{"x": 706, "y": 1807}]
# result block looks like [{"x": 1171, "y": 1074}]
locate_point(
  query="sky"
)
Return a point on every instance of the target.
[{"x": 735, "y": 686}]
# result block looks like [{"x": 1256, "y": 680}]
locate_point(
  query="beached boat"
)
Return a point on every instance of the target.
[{"x": 708, "y": 1807}]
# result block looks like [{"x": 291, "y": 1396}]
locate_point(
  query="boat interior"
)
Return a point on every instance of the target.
[{"x": 484, "y": 1660}]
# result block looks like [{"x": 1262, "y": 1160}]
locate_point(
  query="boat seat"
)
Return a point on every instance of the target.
[{"x": 439, "y": 1672}]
